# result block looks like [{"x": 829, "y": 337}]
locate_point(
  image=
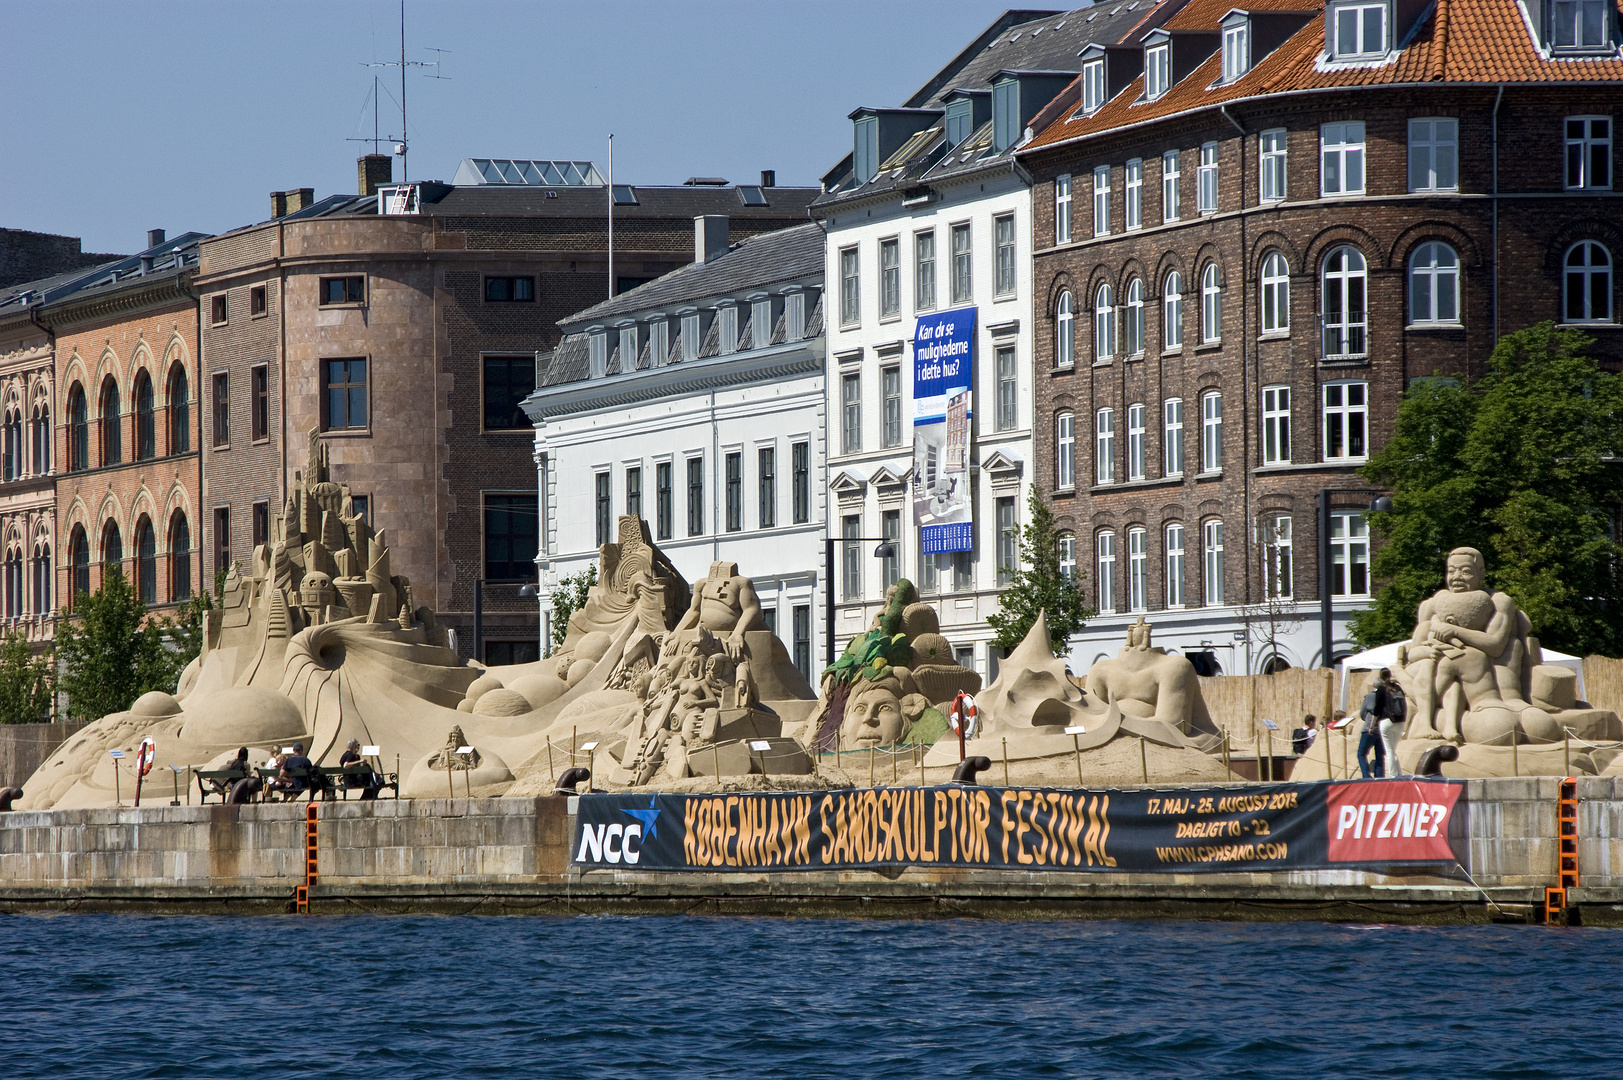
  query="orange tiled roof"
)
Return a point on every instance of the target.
[{"x": 1462, "y": 41}]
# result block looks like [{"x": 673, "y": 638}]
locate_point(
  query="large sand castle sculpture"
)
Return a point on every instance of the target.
[{"x": 320, "y": 643}]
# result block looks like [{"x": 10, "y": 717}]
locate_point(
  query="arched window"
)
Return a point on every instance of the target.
[
  {"x": 146, "y": 434},
  {"x": 1211, "y": 431},
  {"x": 1065, "y": 331},
  {"x": 1172, "y": 312},
  {"x": 1133, "y": 319},
  {"x": 1067, "y": 555},
  {"x": 1346, "y": 323},
  {"x": 112, "y": 550},
  {"x": 146, "y": 561},
  {"x": 1104, "y": 550},
  {"x": 1588, "y": 283},
  {"x": 40, "y": 436},
  {"x": 112, "y": 432},
  {"x": 180, "y": 557},
  {"x": 78, "y": 564},
  {"x": 1138, "y": 569},
  {"x": 1211, "y": 305},
  {"x": 1064, "y": 451},
  {"x": 1434, "y": 284},
  {"x": 1104, "y": 324},
  {"x": 42, "y": 578},
  {"x": 180, "y": 411},
  {"x": 1276, "y": 294},
  {"x": 78, "y": 430},
  {"x": 1104, "y": 446},
  {"x": 11, "y": 447},
  {"x": 14, "y": 583}
]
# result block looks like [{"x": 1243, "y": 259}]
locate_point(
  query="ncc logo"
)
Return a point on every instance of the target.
[{"x": 615, "y": 842}]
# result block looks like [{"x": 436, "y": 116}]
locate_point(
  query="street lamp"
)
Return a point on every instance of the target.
[
  {"x": 1379, "y": 504},
  {"x": 885, "y": 550},
  {"x": 527, "y": 590}
]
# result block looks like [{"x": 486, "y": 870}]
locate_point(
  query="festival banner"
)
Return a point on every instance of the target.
[
  {"x": 1353, "y": 824},
  {"x": 943, "y": 381}
]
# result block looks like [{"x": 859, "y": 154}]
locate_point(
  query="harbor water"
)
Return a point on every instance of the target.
[{"x": 149, "y": 996}]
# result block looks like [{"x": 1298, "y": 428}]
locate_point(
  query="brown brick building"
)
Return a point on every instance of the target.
[
  {"x": 1251, "y": 234},
  {"x": 403, "y": 328}
]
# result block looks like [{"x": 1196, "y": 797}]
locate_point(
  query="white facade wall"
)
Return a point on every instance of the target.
[
  {"x": 870, "y": 481},
  {"x": 699, "y": 410}
]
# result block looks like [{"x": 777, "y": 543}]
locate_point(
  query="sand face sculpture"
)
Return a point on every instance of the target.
[
  {"x": 320, "y": 643},
  {"x": 1141, "y": 713},
  {"x": 1473, "y": 677}
]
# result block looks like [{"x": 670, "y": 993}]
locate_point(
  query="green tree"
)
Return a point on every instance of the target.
[
  {"x": 111, "y": 653},
  {"x": 27, "y": 682},
  {"x": 1038, "y": 585},
  {"x": 568, "y": 598},
  {"x": 1526, "y": 465}
]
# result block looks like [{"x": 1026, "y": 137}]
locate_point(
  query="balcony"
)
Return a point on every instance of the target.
[{"x": 1344, "y": 335}]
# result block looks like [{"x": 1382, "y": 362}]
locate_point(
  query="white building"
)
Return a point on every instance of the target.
[
  {"x": 696, "y": 402},
  {"x": 929, "y": 214}
]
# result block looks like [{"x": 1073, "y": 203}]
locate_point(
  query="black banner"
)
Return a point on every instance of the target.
[{"x": 1351, "y": 824}]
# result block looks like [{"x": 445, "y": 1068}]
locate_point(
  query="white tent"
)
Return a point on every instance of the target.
[{"x": 1387, "y": 656}]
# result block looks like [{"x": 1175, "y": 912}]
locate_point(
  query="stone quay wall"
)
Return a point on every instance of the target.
[{"x": 512, "y": 855}]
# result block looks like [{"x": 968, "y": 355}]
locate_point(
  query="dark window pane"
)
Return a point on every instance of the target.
[
  {"x": 510, "y": 536},
  {"x": 508, "y": 381}
]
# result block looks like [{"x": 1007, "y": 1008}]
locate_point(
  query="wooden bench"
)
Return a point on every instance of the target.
[
  {"x": 372, "y": 779},
  {"x": 217, "y": 782},
  {"x": 314, "y": 781}
]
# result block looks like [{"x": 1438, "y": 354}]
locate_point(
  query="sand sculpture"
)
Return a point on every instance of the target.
[
  {"x": 1141, "y": 712},
  {"x": 320, "y": 643}
]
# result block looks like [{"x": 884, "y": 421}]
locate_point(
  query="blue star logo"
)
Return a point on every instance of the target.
[{"x": 648, "y": 818}]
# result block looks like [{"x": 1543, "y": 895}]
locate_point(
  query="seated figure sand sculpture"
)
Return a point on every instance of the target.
[
  {"x": 1147, "y": 683},
  {"x": 724, "y": 603}
]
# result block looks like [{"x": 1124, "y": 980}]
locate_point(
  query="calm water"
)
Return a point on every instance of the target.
[{"x": 118, "y": 996}]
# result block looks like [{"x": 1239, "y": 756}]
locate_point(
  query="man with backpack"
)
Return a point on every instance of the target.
[
  {"x": 1391, "y": 711},
  {"x": 1371, "y": 754}
]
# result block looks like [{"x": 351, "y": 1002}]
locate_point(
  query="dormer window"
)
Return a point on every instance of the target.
[
  {"x": 865, "y": 148},
  {"x": 628, "y": 348},
  {"x": 1005, "y": 114},
  {"x": 1236, "y": 51},
  {"x": 1157, "y": 71},
  {"x": 1359, "y": 32},
  {"x": 1579, "y": 24},
  {"x": 597, "y": 354},
  {"x": 1093, "y": 86},
  {"x": 960, "y": 121}
]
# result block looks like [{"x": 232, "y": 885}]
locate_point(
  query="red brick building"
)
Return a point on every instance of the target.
[{"x": 1253, "y": 229}]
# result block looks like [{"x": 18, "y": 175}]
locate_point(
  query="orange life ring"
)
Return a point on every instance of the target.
[
  {"x": 963, "y": 715},
  {"x": 146, "y": 755}
]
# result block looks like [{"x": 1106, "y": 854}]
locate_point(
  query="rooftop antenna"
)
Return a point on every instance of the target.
[
  {"x": 376, "y": 138},
  {"x": 401, "y": 143}
]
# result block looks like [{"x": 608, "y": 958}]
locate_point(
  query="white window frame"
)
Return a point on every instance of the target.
[
  {"x": 1211, "y": 305},
  {"x": 890, "y": 277},
  {"x": 1065, "y": 451},
  {"x": 963, "y": 263},
  {"x": 1344, "y": 303},
  {"x": 1170, "y": 175},
  {"x": 1588, "y": 152},
  {"x": 1104, "y": 548},
  {"x": 1211, "y": 431},
  {"x": 1276, "y": 425},
  {"x": 1584, "y": 281},
  {"x": 1157, "y": 70},
  {"x": 1341, "y": 159},
  {"x": 925, "y": 280},
  {"x": 1206, "y": 179},
  {"x": 1211, "y": 549},
  {"x": 850, "y": 287},
  {"x": 1236, "y": 51},
  {"x": 1274, "y": 179},
  {"x": 1138, "y": 569},
  {"x": 1101, "y": 201},
  {"x": 1067, "y": 556},
  {"x": 1093, "y": 86},
  {"x": 1581, "y": 37},
  {"x": 1174, "y": 565},
  {"x": 850, "y": 412},
  {"x": 1136, "y": 437},
  {"x": 1065, "y": 330},
  {"x": 1104, "y": 446},
  {"x": 1132, "y": 343},
  {"x": 1062, "y": 208},
  {"x": 1278, "y": 572},
  {"x": 1172, "y": 312},
  {"x": 1276, "y": 294},
  {"x": 1349, "y": 554},
  {"x": 1434, "y": 285},
  {"x": 1346, "y": 420},
  {"x": 1104, "y": 323},
  {"x": 1005, "y": 262},
  {"x": 1133, "y": 198},
  {"x": 1434, "y": 153},
  {"x": 1172, "y": 437},
  {"x": 1350, "y": 31}
]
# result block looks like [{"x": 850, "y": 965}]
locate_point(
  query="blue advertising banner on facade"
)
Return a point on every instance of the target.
[{"x": 943, "y": 379}]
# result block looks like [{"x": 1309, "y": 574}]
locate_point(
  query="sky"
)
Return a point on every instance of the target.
[{"x": 120, "y": 117}]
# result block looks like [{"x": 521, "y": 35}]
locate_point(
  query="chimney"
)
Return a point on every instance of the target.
[
  {"x": 769, "y": 178},
  {"x": 291, "y": 201},
  {"x": 709, "y": 237},
  {"x": 154, "y": 237},
  {"x": 373, "y": 171}
]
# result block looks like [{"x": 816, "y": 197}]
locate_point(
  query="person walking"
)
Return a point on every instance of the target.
[
  {"x": 1392, "y": 711},
  {"x": 1371, "y": 754}
]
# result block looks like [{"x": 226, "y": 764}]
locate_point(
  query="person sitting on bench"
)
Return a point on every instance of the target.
[
  {"x": 286, "y": 781},
  {"x": 370, "y": 782}
]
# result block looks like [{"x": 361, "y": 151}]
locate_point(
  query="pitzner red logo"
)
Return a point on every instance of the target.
[{"x": 1391, "y": 821}]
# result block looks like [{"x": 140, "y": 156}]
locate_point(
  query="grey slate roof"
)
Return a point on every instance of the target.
[
  {"x": 761, "y": 260},
  {"x": 1043, "y": 42},
  {"x": 167, "y": 259}
]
